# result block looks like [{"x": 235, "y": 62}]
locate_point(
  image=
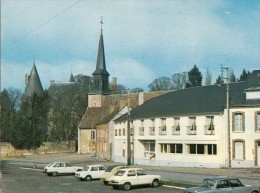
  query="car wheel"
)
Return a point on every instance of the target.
[
  {"x": 88, "y": 178},
  {"x": 49, "y": 174},
  {"x": 155, "y": 183},
  {"x": 254, "y": 191},
  {"x": 127, "y": 186},
  {"x": 105, "y": 182},
  {"x": 54, "y": 173}
]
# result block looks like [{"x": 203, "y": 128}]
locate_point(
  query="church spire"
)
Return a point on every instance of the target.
[{"x": 101, "y": 75}]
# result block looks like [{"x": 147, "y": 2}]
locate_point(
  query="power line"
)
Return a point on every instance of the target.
[{"x": 44, "y": 23}]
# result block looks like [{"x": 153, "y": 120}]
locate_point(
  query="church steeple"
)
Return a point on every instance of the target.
[
  {"x": 33, "y": 83},
  {"x": 71, "y": 78},
  {"x": 101, "y": 75}
]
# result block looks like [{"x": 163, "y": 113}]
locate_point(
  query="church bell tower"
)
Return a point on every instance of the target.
[{"x": 100, "y": 75}]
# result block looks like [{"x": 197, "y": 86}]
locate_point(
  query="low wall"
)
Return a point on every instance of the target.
[{"x": 7, "y": 150}]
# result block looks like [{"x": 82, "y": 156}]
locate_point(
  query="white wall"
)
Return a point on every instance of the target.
[
  {"x": 168, "y": 159},
  {"x": 249, "y": 136}
]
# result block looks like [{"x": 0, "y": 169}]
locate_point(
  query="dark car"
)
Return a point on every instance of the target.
[{"x": 223, "y": 185}]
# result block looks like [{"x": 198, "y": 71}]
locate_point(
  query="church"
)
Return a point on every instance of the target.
[{"x": 96, "y": 128}]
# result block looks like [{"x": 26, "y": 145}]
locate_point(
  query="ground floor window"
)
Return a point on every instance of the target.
[
  {"x": 196, "y": 148},
  {"x": 171, "y": 148},
  {"x": 212, "y": 149},
  {"x": 209, "y": 149},
  {"x": 149, "y": 148}
]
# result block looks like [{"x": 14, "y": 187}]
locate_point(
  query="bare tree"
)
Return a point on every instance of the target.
[
  {"x": 208, "y": 77},
  {"x": 179, "y": 80},
  {"x": 161, "y": 84}
]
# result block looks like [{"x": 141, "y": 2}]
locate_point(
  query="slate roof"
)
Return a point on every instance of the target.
[
  {"x": 101, "y": 62},
  {"x": 111, "y": 105},
  {"x": 197, "y": 100},
  {"x": 34, "y": 84}
]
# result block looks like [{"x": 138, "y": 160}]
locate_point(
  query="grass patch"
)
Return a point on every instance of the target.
[{"x": 178, "y": 184}]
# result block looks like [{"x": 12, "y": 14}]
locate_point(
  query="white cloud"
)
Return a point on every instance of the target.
[
  {"x": 156, "y": 37},
  {"x": 131, "y": 73}
]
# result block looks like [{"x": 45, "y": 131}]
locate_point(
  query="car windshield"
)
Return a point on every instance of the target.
[
  {"x": 49, "y": 164},
  {"x": 207, "y": 183},
  {"x": 85, "y": 168},
  {"x": 119, "y": 173}
]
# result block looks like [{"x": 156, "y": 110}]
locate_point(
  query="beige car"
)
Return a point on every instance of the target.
[
  {"x": 111, "y": 170},
  {"x": 126, "y": 178}
]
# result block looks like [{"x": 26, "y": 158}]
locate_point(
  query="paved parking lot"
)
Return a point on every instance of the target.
[
  {"x": 173, "y": 174},
  {"x": 30, "y": 180}
]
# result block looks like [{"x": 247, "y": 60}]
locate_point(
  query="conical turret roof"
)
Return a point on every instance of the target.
[{"x": 33, "y": 83}]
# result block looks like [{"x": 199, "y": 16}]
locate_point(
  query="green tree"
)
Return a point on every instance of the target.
[
  {"x": 195, "y": 77},
  {"x": 244, "y": 75},
  {"x": 219, "y": 80},
  {"x": 30, "y": 128},
  {"x": 161, "y": 84},
  {"x": 9, "y": 104},
  {"x": 232, "y": 76}
]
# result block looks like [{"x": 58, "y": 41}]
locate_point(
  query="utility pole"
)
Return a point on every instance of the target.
[
  {"x": 128, "y": 142},
  {"x": 228, "y": 114}
]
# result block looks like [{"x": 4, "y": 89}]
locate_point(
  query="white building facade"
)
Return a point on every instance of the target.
[{"x": 189, "y": 128}]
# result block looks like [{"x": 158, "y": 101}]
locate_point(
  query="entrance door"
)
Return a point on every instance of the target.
[{"x": 258, "y": 152}]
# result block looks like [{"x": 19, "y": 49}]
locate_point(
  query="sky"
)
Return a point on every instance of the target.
[{"x": 143, "y": 39}]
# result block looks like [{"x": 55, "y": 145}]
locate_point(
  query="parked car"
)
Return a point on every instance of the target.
[
  {"x": 111, "y": 170},
  {"x": 90, "y": 172},
  {"x": 223, "y": 184},
  {"x": 126, "y": 178},
  {"x": 56, "y": 168}
]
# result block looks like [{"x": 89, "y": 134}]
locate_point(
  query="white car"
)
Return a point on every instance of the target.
[
  {"x": 56, "y": 168},
  {"x": 126, "y": 178},
  {"x": 90, "y": 172}
]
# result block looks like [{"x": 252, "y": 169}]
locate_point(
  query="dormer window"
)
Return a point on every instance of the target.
[{"x": 253, "y": 93}]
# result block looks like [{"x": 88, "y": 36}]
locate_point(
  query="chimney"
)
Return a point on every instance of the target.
[
  {"x": 140, "y": 98},
  {"x": 114, "y": 84}
]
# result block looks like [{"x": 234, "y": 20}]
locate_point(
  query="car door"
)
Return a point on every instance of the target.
[
  {"x": 94, "y": 172},
  {"x": 237, "y": 186},
  {"x": 132, "y": 177},
  {"x": 60, "y": 168},
  {"x": 101, "y": 170},
  {"x": 223, "y": 186},
  {"x": 68, "y": 169},
  {"x": 142, "y": 177}
]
